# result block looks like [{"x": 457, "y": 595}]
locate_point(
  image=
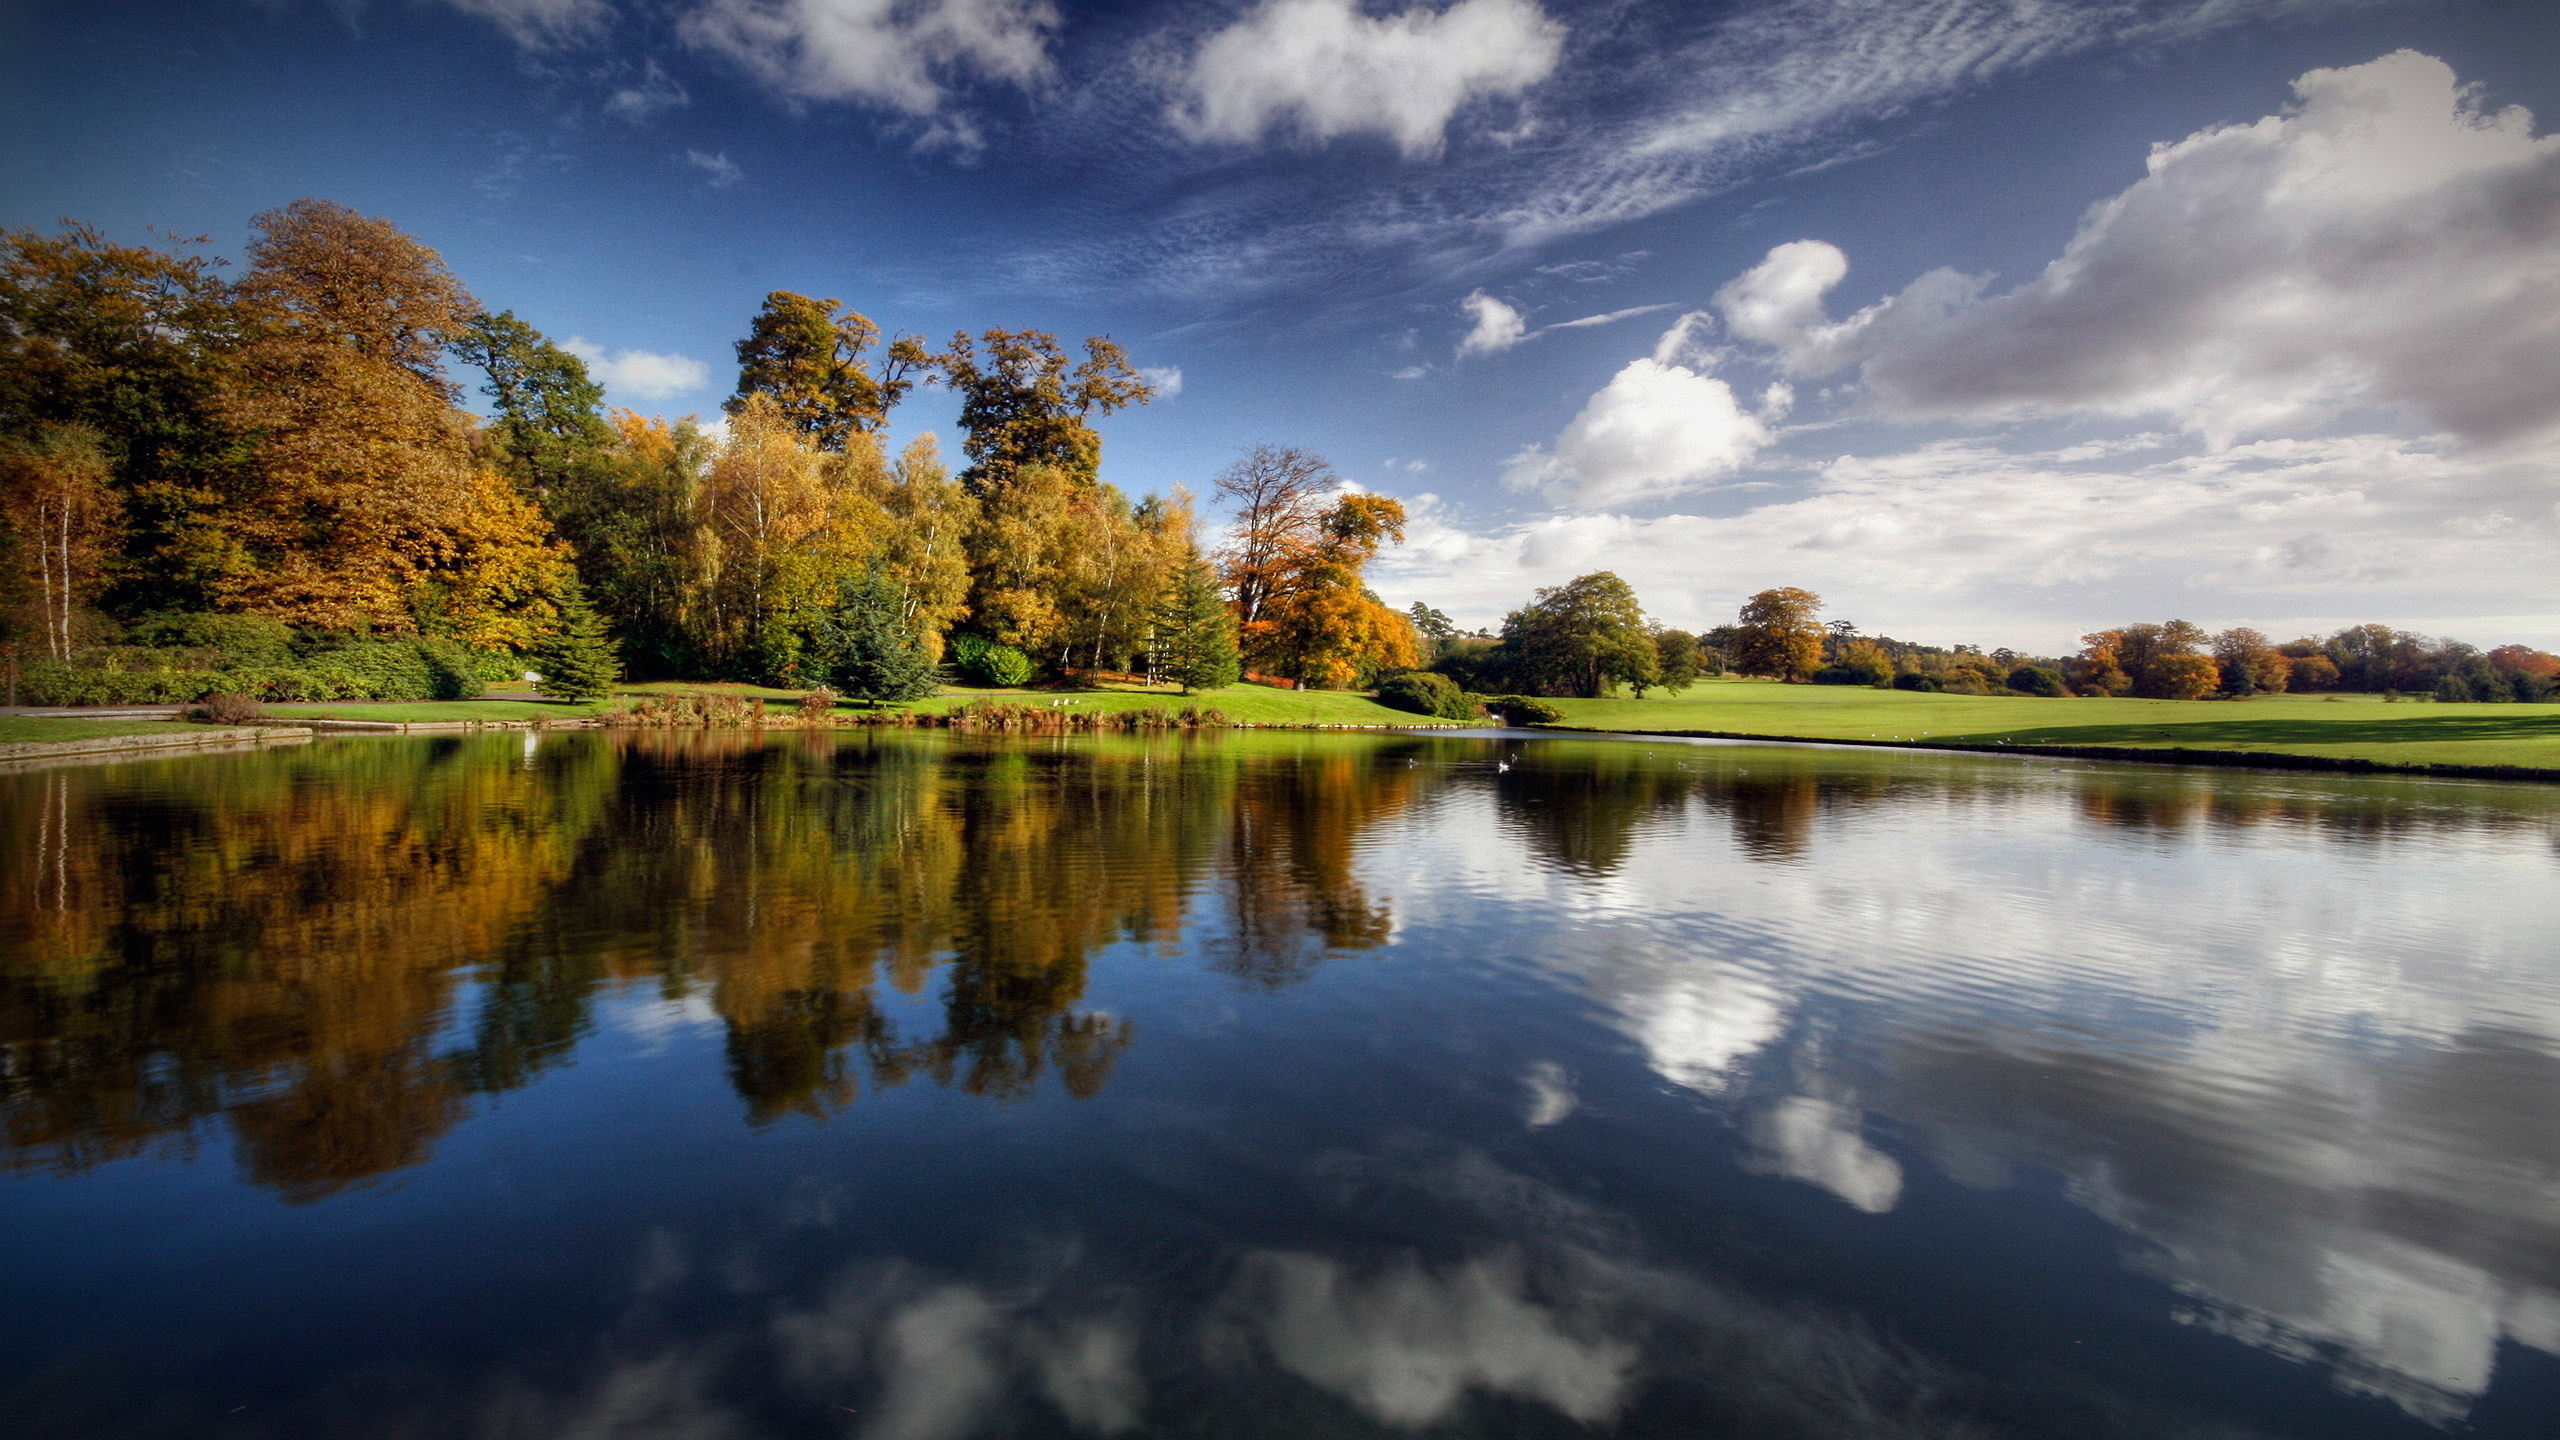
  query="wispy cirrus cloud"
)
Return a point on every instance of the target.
[{"x": 895, "y": 55}]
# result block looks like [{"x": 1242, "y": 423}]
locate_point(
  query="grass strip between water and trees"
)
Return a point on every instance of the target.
[{"x": 2346, "y": 728}]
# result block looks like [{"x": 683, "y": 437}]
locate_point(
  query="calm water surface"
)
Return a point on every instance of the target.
[{"x": 914, "y": 1088}]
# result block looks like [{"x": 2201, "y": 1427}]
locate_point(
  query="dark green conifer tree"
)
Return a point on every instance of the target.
[
  {"x": 866, "y": 648},
  {"x": 579, "y": 661},
  {"x": 1196, "y": 632}
]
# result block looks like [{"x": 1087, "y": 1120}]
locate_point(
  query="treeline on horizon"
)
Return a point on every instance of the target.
[
  {"x": 268, "y": 485},
  {"x": 1590, "y": 636}
]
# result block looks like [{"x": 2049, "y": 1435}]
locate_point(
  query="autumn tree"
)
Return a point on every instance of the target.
[
  {"x": 922, "y": 550},
  {"x": 1023, "y": 403},
  {"x": 1279, "y": 494},
  {"x": 788, "y": 525},
  {"x": 59, "y": 523},
  {"x": 366, "y": 510},
  {"x": 1580, "y": 637},
  {"x": 809, "y": 359},
  {"x": 133, "y": 346},
  {"x": 2249, "y": 664},
  {"x": 1778, "y": 636}
]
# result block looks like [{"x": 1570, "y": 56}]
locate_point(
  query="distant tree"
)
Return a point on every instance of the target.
[
  {"x": 808, "y": 357},
  {"x": 2249, "y": 664},
  {"x": 1777, "y": 635},
  {"x": 1423, "y": 693},
  {"x": 1431, "y": 624},
  {"x": 577, "y": 661},
  {"x": 2163, "y": 662},
  {"x": 1195, "y": 632},
  {"x": 548, "y": 422},
  {"x": 1023, "y": 403},
  {"x": 1580, "y": 637},
  {"x": 1676, "y": 662},
  {"x": 865, "y": 648},
  {"x": 2097, "y": 670},
  {"x": 2310, "y": 674},
  {"x": 2037, "y": 680}
]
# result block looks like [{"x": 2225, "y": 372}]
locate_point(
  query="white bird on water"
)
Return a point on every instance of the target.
[{"x": 1499, "y": 766}]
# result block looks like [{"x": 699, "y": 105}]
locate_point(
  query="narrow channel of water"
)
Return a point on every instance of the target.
[{"x": 919, "y": 1087}]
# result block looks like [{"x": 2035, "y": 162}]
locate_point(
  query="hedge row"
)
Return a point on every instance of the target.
[{"x": 359, "y": 670}]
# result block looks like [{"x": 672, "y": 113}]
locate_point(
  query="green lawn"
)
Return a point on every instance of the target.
[
  {"x": 2360, "y": 727},
  {"x": 30, "y": 730}
]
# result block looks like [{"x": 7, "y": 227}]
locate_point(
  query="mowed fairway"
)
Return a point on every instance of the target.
[{"x": 2349, "y": 727}]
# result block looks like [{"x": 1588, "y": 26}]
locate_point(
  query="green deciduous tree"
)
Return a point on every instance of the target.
[
  {"x": 808, "y": 357},
  {"x": 549, "y": 424},
  {"x": 1580, "y": 637},
  {"x": 1023, "y": 403},
  {"x": 1676, "y": 661}
]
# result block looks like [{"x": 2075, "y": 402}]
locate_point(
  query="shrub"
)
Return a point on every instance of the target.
[
  {"x": 1424, "y": 693},
  {"x": 1852, "y": 672},
  {"x": 982, "y": 661},
  {"x": 1914, "y": 680},
  {"x": 242, "y": 639},
  {"x": 2037, "y": 680},
  {"x": 228, "y": 708},
  {"x": 1523, "y": 709},
  {"x": 818, "y": 707}
]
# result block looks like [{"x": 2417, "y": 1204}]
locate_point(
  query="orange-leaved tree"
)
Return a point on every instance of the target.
[{"x": 1778, "y": 636}]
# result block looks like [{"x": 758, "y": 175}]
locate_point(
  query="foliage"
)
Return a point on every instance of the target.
[
  {"x": 1523, "y": 709},
  {"x": 1914, "y": 680},
  {"x": 806, "y": 358},
  {"x": 1579, "y": 637},
  {"x": 548, "y": 424},
  {"x": 61, "y": 524},
  {"x": 1777, "y": 635},
  {"x": 228, "y": 708},
  {"x": 1022, "y": 404},
  {"x": 984, "y": 662},
  {"x": 863, "y": 645},
  {"x": 1295, "y": 567},
  {"x": 1195, "y": 633},
  {"x": 2037, "y": 680},
  {"x": 577, "y": 660},
  {"x": 1424, "y": 693},
  {"x": 1429, "y": 623},
  {"x": 1677, "y": 662},
  {"x": 2156, "y": 662}
]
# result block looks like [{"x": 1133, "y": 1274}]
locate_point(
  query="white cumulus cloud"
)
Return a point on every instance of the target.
[
  {"x": 1498, "y": 327},
  {"x": 639, "y": 374},
  {"x": 2384, "y": 242},
  {"x": 1328, "y": 70},
  {"x": 1166, "y": 378},
  {"x": 1657, "y": 428},
  {"x": 895, "y": 54}
]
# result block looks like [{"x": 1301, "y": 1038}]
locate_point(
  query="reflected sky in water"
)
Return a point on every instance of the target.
[{"x": 920, "y": 1087}]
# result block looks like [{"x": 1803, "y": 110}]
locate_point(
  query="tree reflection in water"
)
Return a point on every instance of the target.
[{"x": 285, "y": 943}]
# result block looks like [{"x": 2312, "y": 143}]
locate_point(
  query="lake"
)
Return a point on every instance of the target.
[{"x": 916, "y": 1086}]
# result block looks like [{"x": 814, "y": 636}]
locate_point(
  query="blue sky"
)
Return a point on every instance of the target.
[{"x": 1991, "y": 320}]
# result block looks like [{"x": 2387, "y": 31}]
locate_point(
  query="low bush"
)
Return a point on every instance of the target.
[
  {"x": 228, "y": 707},
  {"x": 1523, "y": 709},
  {"x": 1914, "y": 680},
  {"x": 1424, "y": 693},
  {"x": 1852, "y": 673},
  {"x": 982, "y": 661}
]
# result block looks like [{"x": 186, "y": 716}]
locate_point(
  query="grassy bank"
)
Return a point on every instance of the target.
[
  {"x": 1242, "y": 704},
  {"x": 2345, "y": 727},
  {"x": 31, "y": 730}
]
